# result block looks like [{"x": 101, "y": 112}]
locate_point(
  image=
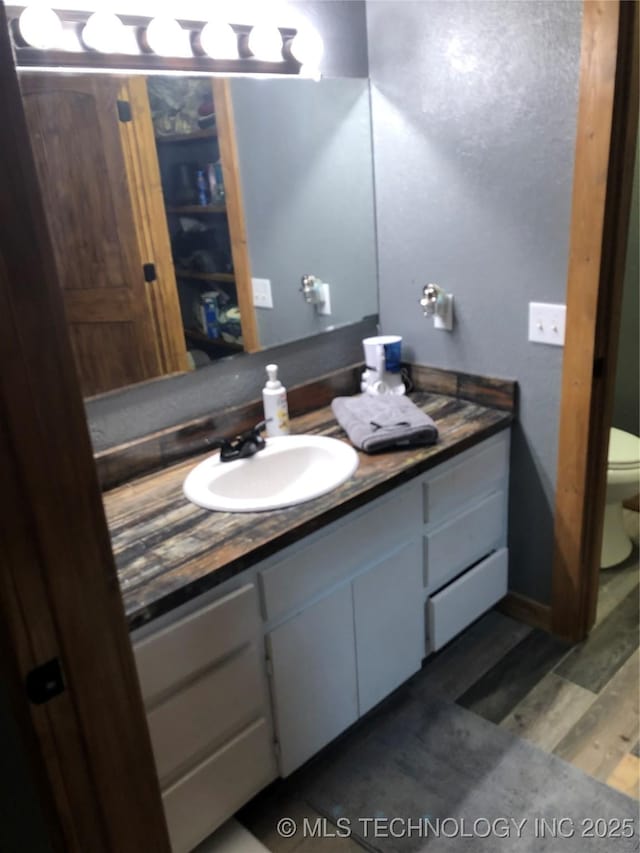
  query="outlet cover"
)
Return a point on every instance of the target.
[
  {"x": 262, "y": 296},
  {"x": 324, "y": 307},
  {"x": 547, "y": 323}
]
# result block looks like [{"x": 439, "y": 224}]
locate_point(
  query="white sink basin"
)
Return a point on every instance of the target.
[{"x": 290, "y": 470}]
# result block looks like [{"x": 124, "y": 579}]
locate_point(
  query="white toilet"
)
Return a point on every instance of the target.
[{"x": 623, "y": 481}]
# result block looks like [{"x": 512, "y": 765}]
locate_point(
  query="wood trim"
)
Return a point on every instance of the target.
[
  {"x": 145, "y": 185},
  {"x": 235, "y": 212},
  {"x": 605, "y": 148},
  {"x": 526, "y": 610},
  {"x": 59, "y": 595}
]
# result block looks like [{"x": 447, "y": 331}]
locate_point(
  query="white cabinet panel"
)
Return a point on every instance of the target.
[
  {"x": 314, "y": 677},
  {"x": 467, "y": 598},
  {"x": 213, "y": 707},
  {"x": 195, "y": 642},
  {"x": 203, "y": 799},
  {"x": 473, "y": 473},
  {"x": 389, "y": 622},
  {"x": 458, "y": 543},
  {"x": 340, "y": 553}
]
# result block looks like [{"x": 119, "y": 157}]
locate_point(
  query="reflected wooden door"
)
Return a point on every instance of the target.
[{"x": 75, "y": 136}]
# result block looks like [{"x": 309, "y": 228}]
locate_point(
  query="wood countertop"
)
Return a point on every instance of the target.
[{"x": 168, "y": 550}]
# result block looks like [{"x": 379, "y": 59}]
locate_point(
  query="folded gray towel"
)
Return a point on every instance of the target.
[{"x": 379, "y": 423}]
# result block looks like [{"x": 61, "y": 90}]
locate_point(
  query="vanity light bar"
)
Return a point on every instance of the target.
[{"x": 101, "y": 41}]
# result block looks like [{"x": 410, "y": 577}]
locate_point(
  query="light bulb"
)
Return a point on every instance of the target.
[
  {"x": 104, "y": 32},
  {"x": 265, "y": 42},
  {"x": 40, "y": 27},
  {"x": 166, "y": 37},
  {"x": 307, "y": 47},
  {"x": 219, "y": 41}
]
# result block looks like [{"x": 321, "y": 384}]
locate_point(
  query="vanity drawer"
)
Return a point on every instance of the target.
[
  {"x": 203, "y": 799},
  {"x": 207, "y": 711},
  {"x": 179, "y": 651},
  {"x": 465, "y": 599},
  {"x": 341, "y": 552},
  {"x": 474, "y": 473},
  {"x": 453, "y": 546}
]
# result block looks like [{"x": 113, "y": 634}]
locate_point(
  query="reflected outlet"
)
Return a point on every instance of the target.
[{"x": 262, "y": 296}]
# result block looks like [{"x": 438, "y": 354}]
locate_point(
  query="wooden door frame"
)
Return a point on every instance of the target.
[
  {"x": 152, "y": 232},
  {"x": 60, "y": 600},
  {"x": 230, "y": 160},
  {"x": 603, "y": 177}
]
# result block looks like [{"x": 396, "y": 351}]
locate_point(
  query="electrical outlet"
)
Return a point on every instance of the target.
[
  {"x": 262, "y": 296},
  {"x": 547, "y": 323},
  {"x": 324, "y": 307}
]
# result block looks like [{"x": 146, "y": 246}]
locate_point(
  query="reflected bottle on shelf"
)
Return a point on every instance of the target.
[
  {"x": 217, "y": 167},
  {"x": 203, "y": 195}
]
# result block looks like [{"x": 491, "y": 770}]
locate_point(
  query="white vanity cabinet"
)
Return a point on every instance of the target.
[
  {"x": 389, "y": 623},
  {"x": 352, "y": 611},
  {"x": 465, "y": 504},
  {"x": 253, "y": 678},
  {"x": 345, "y": 621},
  {"x": 204, "y": 687},
  {"x": 313, "y": 676}
]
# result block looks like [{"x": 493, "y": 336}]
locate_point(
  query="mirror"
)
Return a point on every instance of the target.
[{"x": 184, "y": 213}]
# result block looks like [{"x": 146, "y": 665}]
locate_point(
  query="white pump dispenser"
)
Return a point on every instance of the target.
[{"x": 274, "y": 398}]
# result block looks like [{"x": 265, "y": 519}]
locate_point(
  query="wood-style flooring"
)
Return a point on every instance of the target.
[{"x": 580, "y": 702}]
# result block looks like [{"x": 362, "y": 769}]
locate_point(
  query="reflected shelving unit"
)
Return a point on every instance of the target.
[{"x": 206, "y": 223}]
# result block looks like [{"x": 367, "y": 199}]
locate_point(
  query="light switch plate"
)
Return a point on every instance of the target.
[
  {"x": 262, "y": 296},
  {"x": 547, "y": 323}
]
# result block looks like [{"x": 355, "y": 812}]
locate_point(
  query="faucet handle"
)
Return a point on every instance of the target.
[
  {"x": 254, "y": 432},
  {"x": 246, "y": 444}
]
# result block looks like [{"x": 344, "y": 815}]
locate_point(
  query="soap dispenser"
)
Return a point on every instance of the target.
[{"x": 274, "y": 398}]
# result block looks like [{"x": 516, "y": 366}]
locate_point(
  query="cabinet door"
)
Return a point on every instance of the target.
[
  {"x": 389, "y": 624},
  {"x": 314, "y": 677}
]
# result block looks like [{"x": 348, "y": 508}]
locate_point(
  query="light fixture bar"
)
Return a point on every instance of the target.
[{"x": 82, "y": 57}]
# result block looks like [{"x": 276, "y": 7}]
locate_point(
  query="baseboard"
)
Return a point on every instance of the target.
[{"x": 526, "y": 610}]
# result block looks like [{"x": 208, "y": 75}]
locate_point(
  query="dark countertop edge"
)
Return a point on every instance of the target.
[{"x": 139, "y": 617}]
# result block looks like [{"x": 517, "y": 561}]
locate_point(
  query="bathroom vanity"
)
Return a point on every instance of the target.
[{"x": 261, "y": 637}]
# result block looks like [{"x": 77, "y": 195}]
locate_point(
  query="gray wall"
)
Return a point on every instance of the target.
[
  {"x": 474, "y": 118},
  {"x": 626, "y": 402},
  {"x": 307, "y": 182}
]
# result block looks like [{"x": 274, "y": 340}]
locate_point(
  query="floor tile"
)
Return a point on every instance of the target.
[
  {"x": 548, "y": 711},
  {"x": 434, "y": 759},
  {"x": 593, "y": 663},
  {"x": 497, "y": 692},
  {"x": 329, "y": 844},
  {"x": 232, "y": 837},
  {"x": 626, "y": 776},
  {"x": 615, "y": 584},
  {"x": 262, "y": 815},
  {"x": 454, "y": 669},
  {"x": 609, "y": 728}
]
